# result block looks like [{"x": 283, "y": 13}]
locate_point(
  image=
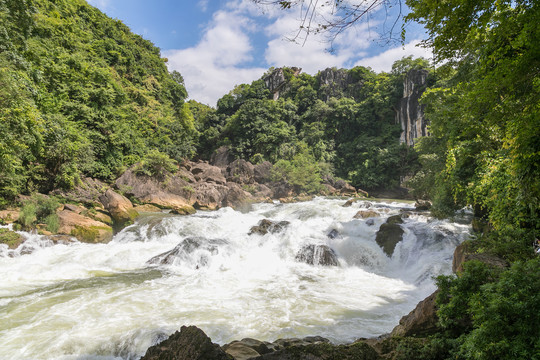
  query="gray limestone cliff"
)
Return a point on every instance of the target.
[
  {"x": 277, "y": 80},
  {"x": 410, "y": 114}
]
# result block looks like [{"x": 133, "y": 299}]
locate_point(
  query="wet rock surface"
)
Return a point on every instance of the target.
[
  {"x": 317, "y": 255},
  {"x": 390, "y": 234},
  {"x": 184, "y": 250},
  {"x": 266, "y": 226}
]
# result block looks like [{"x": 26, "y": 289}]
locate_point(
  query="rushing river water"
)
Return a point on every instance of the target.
[{"x": 104, "y": 301}]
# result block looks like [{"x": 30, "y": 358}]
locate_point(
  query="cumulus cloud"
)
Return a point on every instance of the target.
[
  {"x": 384, "y": 61},
  {"x": 212, "y": 67}
]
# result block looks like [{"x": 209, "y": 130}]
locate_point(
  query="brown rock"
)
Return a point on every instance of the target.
[
  {"x": 236, "y": 196},
  {"x": 205, "y": 172},
  {"x": 266, "y": 226},
  {"x": 87, "y": 192},
  {"x": 75, "y": 208},
  {"x": 83, "y": 228},
  {"x": 176, "y": 192},
  {"x": 209, "y": 196},
  {"x": 262, "y": 172},
  {"x": 421, "y": 321},
  {"x": 191, "y": 343},
  {"x": 317, "y": 255},
  {"x": 120, "y": 208},
  {"x": 364, "y": 214},
  {"x": 221, "y": 157},
  {"x": 241, "y": 172},
  {"x": 146, "y": 208},
  {"x": 9, "y": 216}
]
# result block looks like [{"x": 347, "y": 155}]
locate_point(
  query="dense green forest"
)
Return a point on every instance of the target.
[
  {"x": 347, "y": 129},
  {"x": 80, "y": 95}
]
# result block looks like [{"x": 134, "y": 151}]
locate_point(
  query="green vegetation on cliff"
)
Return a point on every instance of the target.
[
  {"x": 81, "y": 95},
  {"x": 344, "y": 120}
]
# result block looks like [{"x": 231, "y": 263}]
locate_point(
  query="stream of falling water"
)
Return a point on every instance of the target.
[{"x": 105, "y": 301}]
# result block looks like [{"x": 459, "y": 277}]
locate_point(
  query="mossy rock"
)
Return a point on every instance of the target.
[
  {"x": 10, "y": 238},
  {"x": 93, "y": 234},
  {"x": 184, "y": 210}
]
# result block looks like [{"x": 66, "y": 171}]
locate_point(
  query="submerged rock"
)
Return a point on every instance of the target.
[
  {"x": 184, "y": 252},
  {"x": 333, "y": 234},
  {"x": 266, "y": 226},
  {"x": 317, "y": 255},
  {"x": 191, "y": 343}
]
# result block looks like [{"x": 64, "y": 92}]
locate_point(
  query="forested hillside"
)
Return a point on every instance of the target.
[
  {"x": 80, "y": 94},
  {"x": 340, "y": 122}
]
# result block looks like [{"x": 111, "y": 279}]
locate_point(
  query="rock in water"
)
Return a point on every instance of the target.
[
  {"x": 120, "y": 208},
  {"x": 390, "y": 234},
  {"x": 317, "y": 255},
  {"x": 266, "y": 226},
  {"x": 191, "y": 343},
  {"x": 183, "y": 252},
  {"x": 333, "y": 234}
]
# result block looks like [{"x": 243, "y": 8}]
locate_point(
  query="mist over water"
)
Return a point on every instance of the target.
[{"x": 105, "y": 301}]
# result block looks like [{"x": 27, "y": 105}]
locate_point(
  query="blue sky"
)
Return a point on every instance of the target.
[{"x": 217, "y": 44}]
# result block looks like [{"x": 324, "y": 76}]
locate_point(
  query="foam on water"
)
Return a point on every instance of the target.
[{"x": 87, "y": 301}]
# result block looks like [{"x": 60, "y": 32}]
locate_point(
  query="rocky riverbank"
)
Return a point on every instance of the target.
[{"x": 93, "y": 211}]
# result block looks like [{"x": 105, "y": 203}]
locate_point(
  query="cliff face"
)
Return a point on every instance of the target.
[
  {"x": 410, "y": 114},
  {"x": 334, "y": 82},
  {"x": 277, "y": 82}
]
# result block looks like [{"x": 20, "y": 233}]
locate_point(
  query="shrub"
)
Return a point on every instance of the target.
[
  {"x": 40, "y": 209},
  {"x": 157, "y": 164}
]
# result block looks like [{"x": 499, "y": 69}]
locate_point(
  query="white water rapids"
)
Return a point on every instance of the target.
[{"x": 104, "y": 301}]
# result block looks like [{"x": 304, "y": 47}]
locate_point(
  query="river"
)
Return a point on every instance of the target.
[{"x": 105, "y": 301}]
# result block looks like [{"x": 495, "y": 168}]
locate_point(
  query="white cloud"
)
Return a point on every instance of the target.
[
  {"x": 212, "y": 67},
  {"x": 203, "y": 4},
  {"x": 384, "y": 61}
]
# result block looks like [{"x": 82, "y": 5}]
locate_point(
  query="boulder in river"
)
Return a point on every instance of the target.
[
  {"x": 390, "y": 234},
  {"x": 191, "y": 343},
  {"x": 266, "y": 226},
  {"x": 184, "y": 252},
  {"x": 120, "y": 208},
  {"x": 317, "y": 255},
  {"x": 83, "y": 228}
]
